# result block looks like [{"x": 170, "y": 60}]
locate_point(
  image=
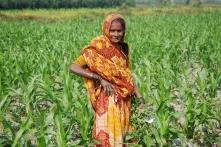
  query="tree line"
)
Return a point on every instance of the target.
[{"x": 20, "y": 4}]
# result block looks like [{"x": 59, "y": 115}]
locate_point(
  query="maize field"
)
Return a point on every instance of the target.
[{"x": 175, "y": 58}]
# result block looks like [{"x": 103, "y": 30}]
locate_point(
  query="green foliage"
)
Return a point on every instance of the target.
[
  {"x": 175, "y": 59},
  {"x": 15, "y": 4}
]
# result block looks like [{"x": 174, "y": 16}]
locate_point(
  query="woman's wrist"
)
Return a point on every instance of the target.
[
  {"x": 141, "y": 99},
  {"x": 96, "y": 77}
]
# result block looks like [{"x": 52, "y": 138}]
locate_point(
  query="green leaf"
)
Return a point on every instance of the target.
[{"x": 22, "y": 130}]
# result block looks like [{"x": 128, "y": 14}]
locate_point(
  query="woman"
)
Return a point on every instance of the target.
[{"x": 105, "y": 66}]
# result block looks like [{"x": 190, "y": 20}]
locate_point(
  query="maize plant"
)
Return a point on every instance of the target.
[{"x": 175, "y": 58}]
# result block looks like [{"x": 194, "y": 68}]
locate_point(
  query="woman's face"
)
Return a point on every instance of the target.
[{"x": 116, "y": 32}]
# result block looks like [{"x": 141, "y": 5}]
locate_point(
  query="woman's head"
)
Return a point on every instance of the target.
[{"x": 114, "y": 28}]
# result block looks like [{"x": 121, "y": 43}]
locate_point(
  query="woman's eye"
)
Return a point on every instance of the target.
[{"x": 118, "y": 31}]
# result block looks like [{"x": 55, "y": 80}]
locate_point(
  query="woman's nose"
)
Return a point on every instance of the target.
[{"x": 115, "y": 33}]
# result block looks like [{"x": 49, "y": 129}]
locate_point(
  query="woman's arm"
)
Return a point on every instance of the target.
[
  {"x": 138, "y": 95},
  {"x": 137, "y": 92},
  {"x": 78, "y": 70}
]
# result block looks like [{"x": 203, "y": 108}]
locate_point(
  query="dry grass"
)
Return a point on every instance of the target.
[{"x": 66, "y": 14}]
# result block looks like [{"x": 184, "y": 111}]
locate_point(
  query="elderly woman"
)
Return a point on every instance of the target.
[{"x": 104, "y": 64}]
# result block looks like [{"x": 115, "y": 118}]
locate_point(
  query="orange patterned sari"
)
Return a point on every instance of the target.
[{"x": 111, "y": 117}]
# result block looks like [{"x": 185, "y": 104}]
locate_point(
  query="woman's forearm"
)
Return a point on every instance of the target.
[
  {"x": 137, "y": 92},
  {"x": 84, "y": 73},
  {"x": 138, "y": 95}
]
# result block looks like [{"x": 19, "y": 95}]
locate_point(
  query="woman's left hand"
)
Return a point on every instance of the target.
[{"x": 141, "y": 107}]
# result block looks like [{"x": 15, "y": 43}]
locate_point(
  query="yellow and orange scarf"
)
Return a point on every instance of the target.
[{"x": 110, "y": 62}]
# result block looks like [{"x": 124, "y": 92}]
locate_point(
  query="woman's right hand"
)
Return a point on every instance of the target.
[{"x": 108, "y": 87}]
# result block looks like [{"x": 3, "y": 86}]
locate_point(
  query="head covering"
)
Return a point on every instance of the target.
[{"x": 107, "y": 23}]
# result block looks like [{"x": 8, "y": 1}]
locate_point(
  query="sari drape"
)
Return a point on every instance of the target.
[{"x": 111, "y": 113}]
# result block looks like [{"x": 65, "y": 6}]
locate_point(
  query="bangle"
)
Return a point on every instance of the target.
[{"x": 142, "y": 99}]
